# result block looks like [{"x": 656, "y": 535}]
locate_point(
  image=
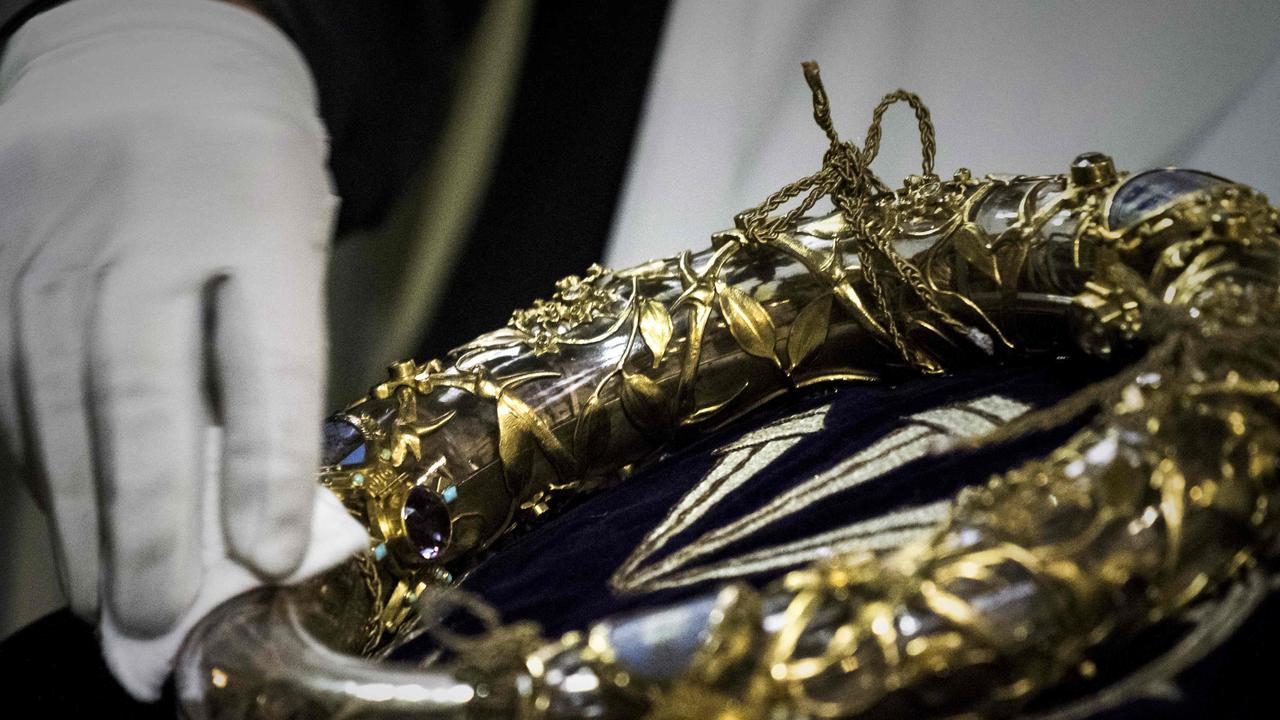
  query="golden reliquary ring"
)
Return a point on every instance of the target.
[{"x": 1164, "y": 494}]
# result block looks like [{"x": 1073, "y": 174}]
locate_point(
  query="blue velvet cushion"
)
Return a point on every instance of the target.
[{"x": 558, "y": 574}]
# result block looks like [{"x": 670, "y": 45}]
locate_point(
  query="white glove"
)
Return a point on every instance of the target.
[{"x": 165, "y": 214}]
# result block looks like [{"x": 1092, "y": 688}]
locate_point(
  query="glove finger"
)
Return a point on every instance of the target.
[
  {"x": 147, "y": 355},
  {"x": 51, "y": 310},
  {"x": 270, "y": 352}
]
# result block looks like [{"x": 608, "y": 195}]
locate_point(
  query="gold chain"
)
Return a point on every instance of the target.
[{"x": 846, "y": 178}]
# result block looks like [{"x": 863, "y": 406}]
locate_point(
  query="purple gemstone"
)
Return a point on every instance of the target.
[{"x": 426, "y": 522}]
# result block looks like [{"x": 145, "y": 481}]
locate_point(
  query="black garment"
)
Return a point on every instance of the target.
[
  {"x": 14, "y": 13},
  {"x": 385, "y": 73},
  {"x": 53, "y": 668},
  {"x": 552, "y": 199}
]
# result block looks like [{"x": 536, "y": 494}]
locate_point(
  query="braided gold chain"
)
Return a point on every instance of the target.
[{"x": 846, "y": 178}]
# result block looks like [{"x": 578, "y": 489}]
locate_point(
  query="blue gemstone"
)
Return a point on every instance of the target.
[
  {"x": 343, "y": 444},
  {"x": 426, "y": 522},
  {"x": 1150, "y": 191},
  {"x": 355, "y": 458},
  {"x": 450, "y": 493},
  {"x": 380, "y": 551}
]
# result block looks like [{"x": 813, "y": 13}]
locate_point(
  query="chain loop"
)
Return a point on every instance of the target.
[
  {"x": 846, "y": 178},
  {"x": 928, "y": 142}
]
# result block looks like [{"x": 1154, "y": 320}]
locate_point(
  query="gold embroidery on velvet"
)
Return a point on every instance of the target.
[{"x": 740, "y": 460}]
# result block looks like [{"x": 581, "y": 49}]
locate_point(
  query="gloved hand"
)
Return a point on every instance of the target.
[{"x": 165, "y": 214}]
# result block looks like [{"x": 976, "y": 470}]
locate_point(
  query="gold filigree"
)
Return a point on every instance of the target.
[
  {"x": 577, "y": 302},
  {"x": 1167, "y": 492}
]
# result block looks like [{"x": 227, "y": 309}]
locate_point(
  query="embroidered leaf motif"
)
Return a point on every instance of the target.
[
  {"x": 671, "y": 557},
  {"x": 655, "y": 328},
  {"x": 809, "y": 330},
  {"x": 643, "y": 403},
  {"x": 591, "y": 434},
  {"x": 748, "y": 322}
]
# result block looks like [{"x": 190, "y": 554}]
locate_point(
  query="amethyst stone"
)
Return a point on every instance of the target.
[{"x": 426, "y": 522}]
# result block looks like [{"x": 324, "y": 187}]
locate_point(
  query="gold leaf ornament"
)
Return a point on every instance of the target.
[
  {"x": 523, "y": 435},
  {"x": 1010, "y": 257},
  {"x": 515, "y": 445},
  {"x": 809, "y": 330},
  {"x": 748, "y": 323},
  {"x": 974, "y": 245},
  {"x": 644, "y": 404},
  {"x": 706, "y": 412},
  {"x": 591, "y": 433},
  {"x": 655, "y": 328}
]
